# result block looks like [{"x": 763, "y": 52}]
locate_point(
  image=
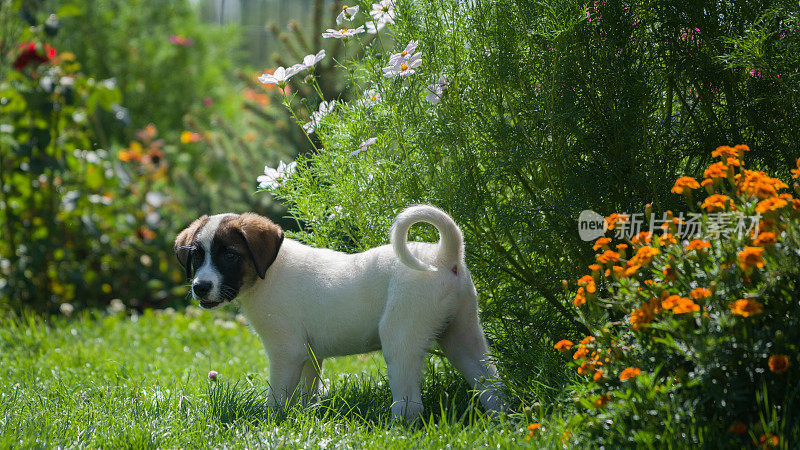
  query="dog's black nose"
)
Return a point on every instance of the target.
[{"x": 201, "y": 288}]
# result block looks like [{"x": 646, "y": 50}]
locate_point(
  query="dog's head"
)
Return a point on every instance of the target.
[{"x": 224, "y": 253}]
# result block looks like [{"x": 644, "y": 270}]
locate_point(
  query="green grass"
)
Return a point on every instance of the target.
[{"x": 141, "y": 381}]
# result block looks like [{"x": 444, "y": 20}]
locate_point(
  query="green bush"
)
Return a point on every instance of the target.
[
  {"x": 708, "y": 348},
  {"x": 546, "y": 109},
  {"x": 74, "y": 229}
]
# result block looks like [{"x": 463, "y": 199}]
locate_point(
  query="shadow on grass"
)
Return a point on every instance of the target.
[{"x": 357, "y": 400}]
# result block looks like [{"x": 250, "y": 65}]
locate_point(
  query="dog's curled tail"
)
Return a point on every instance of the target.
[{"x": 451, "y": 242}]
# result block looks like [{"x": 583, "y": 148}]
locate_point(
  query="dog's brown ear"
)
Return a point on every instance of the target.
[
  {"x": 264, "y": 239},
  {"x": 184, "y": 240}
]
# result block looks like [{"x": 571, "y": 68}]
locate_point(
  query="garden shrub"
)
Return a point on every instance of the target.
[
  {"x": 701, "y": 331},
  {"x": 76, "y": 231},
  {"x": 518, "y": 115}
]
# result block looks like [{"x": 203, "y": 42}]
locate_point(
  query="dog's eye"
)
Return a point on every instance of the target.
[
  {"x": 197, "y": 257},
  {"x": 230, "y": 256}
]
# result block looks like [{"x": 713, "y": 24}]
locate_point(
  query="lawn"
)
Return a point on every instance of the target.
[{"x": 125, "y": 380}]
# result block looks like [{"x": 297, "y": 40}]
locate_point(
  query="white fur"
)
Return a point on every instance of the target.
[{"x": 397, "y": 297}]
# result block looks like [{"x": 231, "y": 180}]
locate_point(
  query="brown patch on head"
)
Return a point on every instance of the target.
[
  {"x": 263, "y": 239},
  {"x": 185, "y": 239}
]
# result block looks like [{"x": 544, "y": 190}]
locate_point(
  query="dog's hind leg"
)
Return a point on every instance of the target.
[
  {"x": 404, "y": 352},
  {"x": 464, "y": 344}
]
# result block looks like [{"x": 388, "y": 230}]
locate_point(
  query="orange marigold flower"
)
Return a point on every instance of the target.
[
  {"x": 188, "y": 137},
  {"x": 769, "y": 440},
  {"x": 740, "y": 149},
  {"x": 534, "y": 426},
  {"x": 770, "y": 204},
  {"x": 670, "y": 302},
  {"x": 751, "y": 257},
  {"x": 738, "y": 428},
  {"x": 733, "y": 162},
  {"x": 644, "y": 256},
  {"x": 778, "y": 363},
  {"x": 698, "y": 244},
  {"x": 621, "y": 247},
  {"x": 613, "y": 219},
  {"x": 594, "y": 267},
  {"x": 587, "y": 340},
  {"x": 716, "y": 170},
  {"x": 644, "y": 314},
  {"x": 608, "y": 256},
  {"x": 684, "y": 184},
  {"x": 764, "y": 239},
  {"x": 580, "y": 353},
  {"x": 629, "y": 373},
  {"x": 724, "y": 151},
  {"x": 563, "y": 345},
  {"x": 597, "y": 376},
  {"x": 715, "y": 202},
  {"x": 644, "y": 236},
  {"x": 758, "y": 184},
  {"x": 745, "y": 307},
  {"x": 586, "y": 367},
  {"x": 600, "y": 243},
  {"x": 580, "y": 297},
  {"x": 669, "y": 273},
  {"x": 701, "y": 292},
  {"x": 601, "y": 401},
  {"x": 685, "y": 305},
  {"x": 588, "y": 281}
]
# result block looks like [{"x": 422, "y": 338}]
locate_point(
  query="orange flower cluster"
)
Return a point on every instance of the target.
[
  {"x": 644, "y": 314},
  {"x": 751, "y": 257},
  {"x": 758, "y": 184},
  {"x": 683, "y": 185},
  {"x": 532, "y": 428},
  {"x": 778, "y": 363},
  {"x": 679, "y": 305},
  {"x": 701, "y": 292},
  {"x": 698, "y": 244},
  {"x": 764, "y": 239},
  {"x": 630, "y": 372},
  {"x": 600, "y": 243},
  {"x": 601, "y": 401},
  {"x": 563, "y": 345},
  {"x": 717, "y": 202},
  {"x": 746, "y": 307}
]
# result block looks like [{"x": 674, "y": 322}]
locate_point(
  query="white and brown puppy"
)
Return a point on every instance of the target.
[{"x": 398, "y": 298}]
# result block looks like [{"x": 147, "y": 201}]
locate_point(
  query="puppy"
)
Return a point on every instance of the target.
[{"x": 305, "y": 301}]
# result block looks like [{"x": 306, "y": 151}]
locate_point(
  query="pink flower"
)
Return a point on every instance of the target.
[
  {"x": 213, "y": 375},
  {"x": 180, "y": 40}
]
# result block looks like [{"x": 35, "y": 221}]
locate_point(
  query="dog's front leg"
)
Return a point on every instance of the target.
[{"x": 284, "y": 376}]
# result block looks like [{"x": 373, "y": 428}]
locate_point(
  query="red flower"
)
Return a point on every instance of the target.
[{"x": 29, "y": 54}]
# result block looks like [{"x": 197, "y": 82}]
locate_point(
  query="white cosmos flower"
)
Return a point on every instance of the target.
[
  {"x": 273, "y": 178},
  {"x": 406, "y": 54},
  {"x": 363, "y": 146},
  {"x": 324, "y": 109},
  {"x": 373, "y": 27},
  {"x": 280, "y": 76},
  {"x": 371, "y": 97},
  {"x": 348, "y": 13},
  {"x": 437, "y": 89},
  {"x": 383, "y": 11},
  {"x": 311, "y": 60},
  {"x": 403, "y": 68},
  {"x": 343, "y": 33}
]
